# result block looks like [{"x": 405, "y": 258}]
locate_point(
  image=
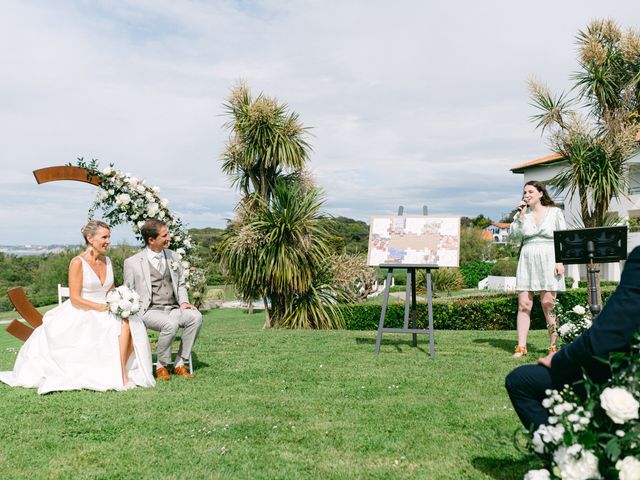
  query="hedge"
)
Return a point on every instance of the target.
[{"x": 479, "y": 313}]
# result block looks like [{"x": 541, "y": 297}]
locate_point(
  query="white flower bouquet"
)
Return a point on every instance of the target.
[
  {"x": 123, "y": 301},
  {"x": 571, "y": 323},
  {"x": 597, "y": 437}
]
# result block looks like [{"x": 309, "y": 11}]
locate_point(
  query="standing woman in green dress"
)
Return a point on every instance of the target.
[{"x": 538, "y": 217}]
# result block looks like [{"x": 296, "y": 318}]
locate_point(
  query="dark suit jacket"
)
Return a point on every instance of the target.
[{"x": 612, "y": 331}]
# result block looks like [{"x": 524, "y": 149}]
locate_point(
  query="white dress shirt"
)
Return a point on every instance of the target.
[{"x": 158, "y": 260}]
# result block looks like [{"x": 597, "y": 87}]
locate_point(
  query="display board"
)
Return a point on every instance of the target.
[{"x": 414, "y": 240}]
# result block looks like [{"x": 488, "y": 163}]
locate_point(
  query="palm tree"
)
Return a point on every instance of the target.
[
  {"x": 595, "y": 131},
  {"x": 277, "y": 249}
]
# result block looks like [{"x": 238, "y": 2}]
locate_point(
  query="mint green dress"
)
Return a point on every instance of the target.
[{"x": 537, "y": 256}]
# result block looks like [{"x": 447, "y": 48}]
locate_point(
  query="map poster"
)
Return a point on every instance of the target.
[{"x": 414, "y": 240}]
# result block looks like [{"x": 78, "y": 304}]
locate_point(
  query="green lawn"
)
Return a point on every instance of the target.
[
  {"x": 11, "y": 315},
  {"x": 283, "y": 404}
]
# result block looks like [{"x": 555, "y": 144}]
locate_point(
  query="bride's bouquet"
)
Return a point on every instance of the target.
[{"x": 123, "y": 301}]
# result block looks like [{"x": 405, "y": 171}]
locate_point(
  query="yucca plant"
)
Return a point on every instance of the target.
[{"x": 278, "y": 251}]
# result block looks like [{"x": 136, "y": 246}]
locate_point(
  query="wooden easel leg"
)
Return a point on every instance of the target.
[{"x": 384, "y": 309}]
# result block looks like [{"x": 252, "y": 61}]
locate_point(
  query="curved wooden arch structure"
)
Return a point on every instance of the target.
[
  {"x": 54, "y": 174},
  {"x": 17, "y": 296}
]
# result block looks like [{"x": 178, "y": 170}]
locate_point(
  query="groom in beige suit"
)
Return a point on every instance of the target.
[{"x": 156, "y": 273}]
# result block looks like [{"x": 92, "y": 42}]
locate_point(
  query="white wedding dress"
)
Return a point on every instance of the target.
[{"x": 78, "y": 349}]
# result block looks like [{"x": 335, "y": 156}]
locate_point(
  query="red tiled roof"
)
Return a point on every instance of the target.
[
  {"x": 554, "y": 157},
  {"x": 501, "y": 225}
]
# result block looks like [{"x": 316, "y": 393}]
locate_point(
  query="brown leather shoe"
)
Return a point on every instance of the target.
[
  {"x": 182, "y": 371},
  {"x": 162, "y": 374}
]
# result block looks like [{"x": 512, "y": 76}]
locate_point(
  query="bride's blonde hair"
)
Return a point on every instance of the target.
[{"x": 91, "y": 228}]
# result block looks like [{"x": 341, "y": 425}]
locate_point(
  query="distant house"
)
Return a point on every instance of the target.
[
  {"x": 496, "y": 232},
  {"x": 545, "y": 168}
]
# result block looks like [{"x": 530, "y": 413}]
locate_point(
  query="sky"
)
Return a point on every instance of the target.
[{"x": 410, "y": 102}]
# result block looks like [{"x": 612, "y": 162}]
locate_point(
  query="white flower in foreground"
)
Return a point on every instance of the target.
[
  {"x": 575, "y": 463},
  {"x": 619, "y": 404},
  {"x": 148, "y": 196},
  {"x": 629, "y": 468},
  {"x": 107, "y": 171},
  {"x": 164, "y": 202},
  {"x": 123, "y": 199},
  {"x": 180, "y": 251},
  {"x": 546, "y": 434},
  {"x": 186, "y": 265},
  {"x": 565, "y": 329},
  {"x": 155, "y": 189},
  {"x": 542, "y": 474},
  {"x": 579, "y": 309},
  {"x": 140, "y": 189}
]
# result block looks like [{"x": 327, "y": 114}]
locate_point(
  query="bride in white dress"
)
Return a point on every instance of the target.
[{"x": 80, "y": 344}]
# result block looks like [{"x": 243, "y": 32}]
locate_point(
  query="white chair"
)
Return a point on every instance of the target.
[{"x": 63, "y": 292}]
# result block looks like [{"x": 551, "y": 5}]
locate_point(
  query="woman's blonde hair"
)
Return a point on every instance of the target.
[{"x": 91, "y": 228}]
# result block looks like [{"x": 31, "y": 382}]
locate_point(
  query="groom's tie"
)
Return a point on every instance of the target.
[{"x": 160, "y": 262}]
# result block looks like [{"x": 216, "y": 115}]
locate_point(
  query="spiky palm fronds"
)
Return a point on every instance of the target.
[
  {"x": 266, "y": 141},
  {"x": 278, "y": 250}
]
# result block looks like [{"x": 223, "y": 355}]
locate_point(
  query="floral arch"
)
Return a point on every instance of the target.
[{"x": 122, "y": 198}]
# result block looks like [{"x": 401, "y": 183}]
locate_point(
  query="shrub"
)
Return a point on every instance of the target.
[
  {"x": 480, "y": 313},
  {"x": 603, "y": 283},
  {"x": 214, "y": 294},
  {"x": 505, "y": 267},
  {"x": 443, "y": 279},
  {"x": 475, "y": 271}
]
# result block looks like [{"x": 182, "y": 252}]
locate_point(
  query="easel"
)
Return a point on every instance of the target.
[
  {"x": 409, "y": 302},
  {"x": 590, "y": 246}
]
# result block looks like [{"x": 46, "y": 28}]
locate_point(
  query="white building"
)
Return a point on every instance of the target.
[
  {"x": 545, "y": 168},
  {"x": 496, "y": 232}
]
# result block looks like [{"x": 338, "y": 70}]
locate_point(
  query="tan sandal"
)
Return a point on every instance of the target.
[
  {"x": 520, "y": 351},
  {"x": 553, "y": 349}
]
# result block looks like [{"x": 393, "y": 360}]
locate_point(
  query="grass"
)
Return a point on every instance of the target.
[
  {"x": 11, "y": 315},
  {"x": 283, "y": 404}
]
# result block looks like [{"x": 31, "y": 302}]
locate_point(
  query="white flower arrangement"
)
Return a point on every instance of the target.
[
  {"x": 594, "y": 437},
  {"x": 573, "y": 322},
  {"x": 123, "y": 301}
]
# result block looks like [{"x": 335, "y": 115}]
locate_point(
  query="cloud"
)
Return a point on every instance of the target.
[{"x": 410, "y": 102}]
